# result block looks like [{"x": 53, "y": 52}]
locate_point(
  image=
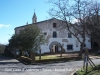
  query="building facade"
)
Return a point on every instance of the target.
[{"x": 56, "y": 35}]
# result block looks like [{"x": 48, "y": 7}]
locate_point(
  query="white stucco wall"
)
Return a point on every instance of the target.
[
  {"x": 71, "y": 41},
  {"x": 47, "y": 26}
]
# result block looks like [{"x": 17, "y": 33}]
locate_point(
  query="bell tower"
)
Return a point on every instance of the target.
[{"x": 34, "y": 18}]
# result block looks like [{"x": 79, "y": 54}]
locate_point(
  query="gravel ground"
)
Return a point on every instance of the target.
[{"x": 10, "y": 66}]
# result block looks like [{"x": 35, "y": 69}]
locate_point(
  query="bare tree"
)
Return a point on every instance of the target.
[
  {"x": 68, "y": 11},
  {"x": 93, "y": 22}
]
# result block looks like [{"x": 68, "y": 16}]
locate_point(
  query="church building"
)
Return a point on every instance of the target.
[{"x": 56, "y": 36}]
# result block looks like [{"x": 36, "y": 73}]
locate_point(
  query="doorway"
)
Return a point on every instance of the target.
[{"x": 55, "y": 49}]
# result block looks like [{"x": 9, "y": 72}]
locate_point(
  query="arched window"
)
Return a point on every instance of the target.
[{"x": 54, "y": 34}]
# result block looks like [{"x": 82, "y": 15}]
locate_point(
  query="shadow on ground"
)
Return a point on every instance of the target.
[
  {"x": 5, "y": 58},
  {"x": 4, "y": 63}
]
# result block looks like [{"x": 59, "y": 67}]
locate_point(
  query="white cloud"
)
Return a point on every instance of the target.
[{"x": 5, "y": 25}]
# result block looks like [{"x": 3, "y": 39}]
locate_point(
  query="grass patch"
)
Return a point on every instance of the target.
[
  {"x": 91, "y": 71},
  {"x": 46, "y": 57},
  {"x": 56, "y": 58},
  {"x": 99, "y": 55}
]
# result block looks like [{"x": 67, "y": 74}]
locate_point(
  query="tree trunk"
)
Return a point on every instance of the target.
[
  {"x": 81, "y": 48},
  {"x": 40, "y": 54},
  {"x": 83, "y": 42},
  {"x": 29, "y": 52},
  {"x": 32, "y": 57},
  {"x": 20, "y": 52},
  {"x": 61, "y": 52}
]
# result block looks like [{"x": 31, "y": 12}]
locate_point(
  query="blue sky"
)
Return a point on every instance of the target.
[{"x": 14, "y": 13}]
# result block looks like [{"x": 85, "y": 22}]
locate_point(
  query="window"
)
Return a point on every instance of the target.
[
  {"x": 69, "y": 47},
  {"x": 45, "y": 33},
  {"x": 54, "y": 34},
  {"x": 69, "y": 35},
  {"x": 54, "y": 25}
]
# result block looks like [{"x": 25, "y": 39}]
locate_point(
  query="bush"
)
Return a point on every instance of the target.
[{"x": 2, "y": 48}]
